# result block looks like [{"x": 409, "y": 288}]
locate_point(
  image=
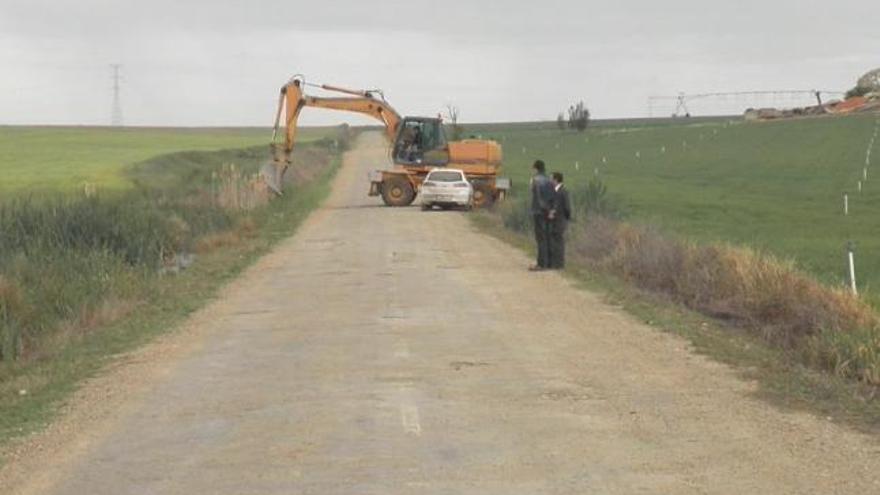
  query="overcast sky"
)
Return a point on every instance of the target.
[{"x": 221, "y": 62}]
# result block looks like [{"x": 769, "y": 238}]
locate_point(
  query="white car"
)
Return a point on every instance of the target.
[{"x": 446, "y": 188}]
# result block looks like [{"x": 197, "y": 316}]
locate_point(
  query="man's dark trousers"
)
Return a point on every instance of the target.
[
  {"x": 557, "y": 229},
  {"x": 558, "y": 226},
  {"x": 542, "y": 238}
]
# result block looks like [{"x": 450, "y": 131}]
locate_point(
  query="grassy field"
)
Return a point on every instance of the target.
[
  {"x": 776, "y": 186},
  {"x": 67, "y": 158}
]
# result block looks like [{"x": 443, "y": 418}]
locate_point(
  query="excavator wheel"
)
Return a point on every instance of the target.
[
  {"x": 484, "y": 196},
  {"x": 397, "y": 191}
]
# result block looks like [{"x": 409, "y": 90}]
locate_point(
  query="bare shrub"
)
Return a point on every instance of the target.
[
  {"x": 648, "y": 259},
  {"x": 593, "y": 199},
  {"x": 768, "y": 293},
  {"x": 593, "y": 240},
  {"x": 786, "y": 307},
  {"x": 515, "y": 215}
]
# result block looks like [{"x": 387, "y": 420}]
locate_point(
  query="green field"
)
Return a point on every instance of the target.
[
  {"x": 777, "y": 186},
  {"x": 67, "y": 158}
]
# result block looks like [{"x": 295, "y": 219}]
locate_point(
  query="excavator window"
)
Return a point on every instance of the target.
[{"x": 421, "y": 140}]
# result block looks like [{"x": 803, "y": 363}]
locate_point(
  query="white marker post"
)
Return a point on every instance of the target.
[
  {"x": 577, "y": 165},
  {"x": 604, "y": 159},
  {"x": 860, "y": 186},
  {"x": 845, "y": 204},
  {"x": 852, "y": 268},
  {"x": 865, "y": 173}
]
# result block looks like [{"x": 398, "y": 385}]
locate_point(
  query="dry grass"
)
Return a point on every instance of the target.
[
  {"x": 239, "y": 191},
  {"x": 852, "y": 354},
  {"x": 210, "y": 242},
  {"x": 12, "y": 309},
  {"x": 109, "y": 310},
  {"x": 832, "y": 328},
  {"x": 16, "y": 315},
  {"x": 306, "y": 167}
]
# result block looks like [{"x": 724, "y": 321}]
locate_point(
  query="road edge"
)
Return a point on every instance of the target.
[{"x": 779, "y": 379}]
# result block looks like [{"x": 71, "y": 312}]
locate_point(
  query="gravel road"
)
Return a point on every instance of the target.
[{"x": 386, "y": 351}]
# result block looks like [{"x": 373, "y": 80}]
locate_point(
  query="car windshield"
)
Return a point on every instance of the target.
[{"x": 445, "y": 176}]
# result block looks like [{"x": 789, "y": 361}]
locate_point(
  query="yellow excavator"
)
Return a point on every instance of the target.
[{"x": 418, "y": 145}]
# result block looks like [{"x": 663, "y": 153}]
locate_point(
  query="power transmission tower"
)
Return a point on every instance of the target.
[{"x": 116, "y": 118}]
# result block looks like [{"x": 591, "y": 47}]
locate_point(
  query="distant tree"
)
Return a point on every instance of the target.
[
  {"x": 452, "y": 113},
  {"x": 858, "y": 91},
  {"x": 578, "y": 116},
  {"x": 560, "y": 121}
]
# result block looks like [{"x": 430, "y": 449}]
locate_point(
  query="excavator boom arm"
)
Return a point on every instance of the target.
[{"x": 292, "y": 100}]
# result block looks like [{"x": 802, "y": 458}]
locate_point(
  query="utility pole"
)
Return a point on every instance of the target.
[{"x": 116, "y": 118}]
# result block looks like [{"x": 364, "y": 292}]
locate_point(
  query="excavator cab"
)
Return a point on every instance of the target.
[{"x": 421, "y": 141}]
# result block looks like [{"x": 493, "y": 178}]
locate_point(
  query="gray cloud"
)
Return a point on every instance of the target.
[{"x": 221, "y": 62}]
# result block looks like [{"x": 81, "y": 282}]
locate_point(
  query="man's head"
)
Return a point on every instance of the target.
[
  {"x": 539, "y": 167},
  {"x": 557, "y": 177}
]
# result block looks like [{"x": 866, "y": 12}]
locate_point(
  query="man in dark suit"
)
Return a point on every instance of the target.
[
  {"x": 560, "y": 215},
  {"x": 541, "y": 189}
]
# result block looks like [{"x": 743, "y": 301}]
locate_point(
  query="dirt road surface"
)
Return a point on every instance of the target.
[{"x": 386, "y": 351}]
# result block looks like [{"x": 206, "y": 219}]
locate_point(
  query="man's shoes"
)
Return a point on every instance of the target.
[{"x": 537, "y": 268}]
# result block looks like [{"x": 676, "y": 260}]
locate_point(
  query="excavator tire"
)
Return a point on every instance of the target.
[
  {"x": 397, "y": 191},
  {"x": 484, "y": 196}
]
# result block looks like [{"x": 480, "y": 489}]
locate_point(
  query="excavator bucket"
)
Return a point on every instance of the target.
[{"x": 273, "y": 175}]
